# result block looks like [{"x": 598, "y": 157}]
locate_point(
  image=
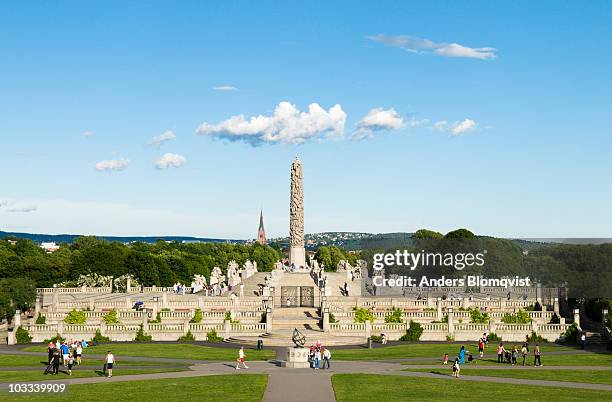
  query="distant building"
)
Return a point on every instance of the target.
[
  {"x": 49, "y": 247},
  {"x": 261, "y": 233}
]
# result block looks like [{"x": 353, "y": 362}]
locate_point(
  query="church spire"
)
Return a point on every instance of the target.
[{"x": 261, "y": 233}]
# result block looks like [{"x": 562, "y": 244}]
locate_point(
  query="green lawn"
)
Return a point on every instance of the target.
[
  {"x": 175, "y": 351},
  {"x": 38, "y": 375},
  {"x": 372, "y": 387},
  {"x": 533, "y": 373},
  {"x": 591, "y": 359},
  {"x": 227, "y": 388},
  {"x": 41, "y": 361},
  {"x": 410, "y": 350}
]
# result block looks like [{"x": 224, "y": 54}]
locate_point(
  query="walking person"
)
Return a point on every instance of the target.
[
  {"x": 583, "y": 340},
  {"x": 500, "y": 353},
  {"x": 524, "y": 352},
  {"x": 109, "y": 362},
  {"x": 481, "y": 346},
  {"x": 456, "y": 368},
  {"x": 241, "y": 359},
  {"x": 79, "y": 353},
  {"x": 326, "y": 358},
  {"x": 50, "y": 350},
  {"x": 56, "y": 361},
  {"x": 65, "y": 353},
  {"x": 70, "y": 364},
  {"x": 536, "y": 355}
]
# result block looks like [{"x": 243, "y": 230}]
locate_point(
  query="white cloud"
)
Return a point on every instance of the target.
[
  {"x": 112, "y": 164},
  {"x": 170, "y": 160},
  {"x": 226, "y": 88},
  {"x": 16, "y": 206},
  {"x": 167, "y": 135},
  {"x": 23, "y": 209},
  {"x": 419, "y": 46},
  {"x": 463, "y": 127},
  {"x": 414, "y": 122},
  {"x": 286, "y": 125},
  {"x": 440, "y": 125},
  {"x": 377, "y": 119},
  {"x": 87, "y": 134}
]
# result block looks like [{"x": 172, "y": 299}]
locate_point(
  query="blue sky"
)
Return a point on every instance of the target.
[{"x": 524, "y": 89}]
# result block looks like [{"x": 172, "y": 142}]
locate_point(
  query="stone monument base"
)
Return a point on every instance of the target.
[
  {"x": 293, "y": 357},
  {"x": 297, "y": 257}
]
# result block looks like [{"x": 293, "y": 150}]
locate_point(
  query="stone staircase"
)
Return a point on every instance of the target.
[
  {"x": 594, "y": 338},
  {"x": 306, "y": 320}
]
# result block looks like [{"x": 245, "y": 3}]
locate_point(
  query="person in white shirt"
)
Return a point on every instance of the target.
[
  {"x": 326, "y": 357},
  {"x": 109, "y": 361},
  {"x": 79, "y": 352},
  {"x": 241, "y": 357}
]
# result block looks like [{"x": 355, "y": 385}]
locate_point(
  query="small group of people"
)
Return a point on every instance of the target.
[
  {"x": 66, "y": 353},
  {"x": 460, "y": 359},
  {"x": 179, "y": 288},
  {"x": 318, "y": 354},
  {"x": 509, "y": 356}
]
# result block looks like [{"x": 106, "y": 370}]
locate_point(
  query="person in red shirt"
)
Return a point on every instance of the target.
[{"x": 481, "y": 346}]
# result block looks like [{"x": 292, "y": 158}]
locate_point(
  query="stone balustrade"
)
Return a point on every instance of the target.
[
  {"x": 460, "y": 332},
  {"x": 159, "y": 332}
]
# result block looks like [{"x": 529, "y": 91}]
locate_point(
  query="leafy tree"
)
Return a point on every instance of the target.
[
  {"x": 395, "y": 316},
  {"x": 98, "y": 338},
  {"x": 197, "y": 317},
  {"x": 16, "y": 294},
  {"x": 460, "y": 234},
  {"x": 141, "y": 336},
  {"x": 478, "y": 317},
  {"x": 188, "y": 337},
  {"x": 111, "y": 317},
  {"x": 22, "y": 335},
  {"x": 362, "y": 315},
  {"x": 211, "y": 336},
  {"x": 427, "y": 234},
  {"x": 75, "y": 317},
  {"x": 520, "y": 317},
  {"x": 41, "y": 319},
  {"x": 413, "y": 333}
]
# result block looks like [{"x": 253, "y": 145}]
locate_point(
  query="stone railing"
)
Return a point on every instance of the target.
[
  {"x": 159, "y": 332},
  {"x": 443, "y": 331}
]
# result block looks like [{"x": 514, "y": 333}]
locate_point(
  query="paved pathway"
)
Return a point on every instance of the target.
[{"x": 307, "y": 384}]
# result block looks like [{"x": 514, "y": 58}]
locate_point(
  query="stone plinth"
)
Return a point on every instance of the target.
[{"x": 293, "y": 357}]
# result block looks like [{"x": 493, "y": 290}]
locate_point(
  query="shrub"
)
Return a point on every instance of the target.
[
  {"x": 362, "y": 315},
  {"x": 111, "y": 317},
  {"x": 537, "y": 338},
  {"x": 493, "y": 337},
  {"x": 141, "y": 336},
  {"x": 570, "y": 336},
  {"x": 211, "y": 336},
  {"x": 22, "y": 335},
  {"x": 534, "y": 307},
  {"x": 520, "y": 317},
  {"x": 555, "y": 319},
  {"x": 56, "y": 338},
  {"x": 376, "y": 338},
  {"x": 98, "y": 338},
  {"x": 165, "y": 309},
  {"x": 197, "y": 317},
  {"x": 478, "y": 317},
  {"x": 41, "y": 319},
  {"x": 450, "y": 338},
  {"x": 75, "y": 317},
  {"x": 188, "y": 337},
  {"x": 413, "y": 333},
  {"x": 395, "y": 316},
  {"x": 332, "y": 318},
  {"x": 228, "y": 316}
]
